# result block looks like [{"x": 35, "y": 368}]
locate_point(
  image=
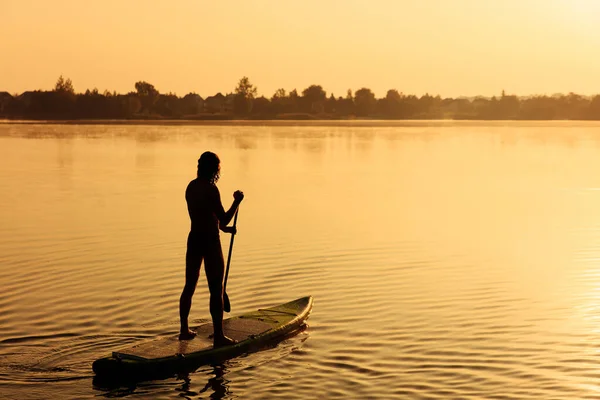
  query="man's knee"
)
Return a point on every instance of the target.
[
  {"x": 216, "y": 291},
  {"x": 188, "y": 290}
]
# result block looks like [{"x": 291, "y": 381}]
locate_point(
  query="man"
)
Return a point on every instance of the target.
[{"x": 207, "y": 216}]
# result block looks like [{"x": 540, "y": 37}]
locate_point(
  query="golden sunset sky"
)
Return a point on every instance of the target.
[{"x": 446, "y": 47}]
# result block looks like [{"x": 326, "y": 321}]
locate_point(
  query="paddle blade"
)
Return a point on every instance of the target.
[{"x": 226, "y": 304}]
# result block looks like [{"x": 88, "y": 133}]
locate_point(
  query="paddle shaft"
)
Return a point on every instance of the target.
[{"x": 226, "y": 303}]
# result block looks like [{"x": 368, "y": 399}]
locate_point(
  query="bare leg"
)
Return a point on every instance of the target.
[
  {"x": 192, "y": 271},
  {"x": 215, "y": 271}
]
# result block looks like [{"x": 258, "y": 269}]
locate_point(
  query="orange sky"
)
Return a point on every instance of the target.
[{"x": 447, "y": 47}]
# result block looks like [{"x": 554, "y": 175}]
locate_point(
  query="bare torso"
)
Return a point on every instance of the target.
[{"x": 204, "y": 207}]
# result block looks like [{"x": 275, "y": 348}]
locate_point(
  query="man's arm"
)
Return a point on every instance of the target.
[
  {"x": 223, "y": 216},
  {"x": 228, "y": 229}
]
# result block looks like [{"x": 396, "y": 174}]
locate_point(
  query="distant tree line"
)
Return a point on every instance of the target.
[{"x": 146, "y": 102}]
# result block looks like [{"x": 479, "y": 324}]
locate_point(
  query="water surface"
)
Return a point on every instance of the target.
[{"x": 447, "y": 260}]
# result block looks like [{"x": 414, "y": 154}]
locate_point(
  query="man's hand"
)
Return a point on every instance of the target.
[
  {"x": 229, "y": 229},
  {"x": 238, "y": 196}
]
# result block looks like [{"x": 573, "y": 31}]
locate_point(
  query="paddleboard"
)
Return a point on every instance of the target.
[{"x": 252, "y": 331}]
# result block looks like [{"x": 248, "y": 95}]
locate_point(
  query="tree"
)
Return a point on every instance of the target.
[
  {"x": 132, "y": 105},
  {"x": 59, "y": 103},
  {"x": 365, "y": 102},
  {"x": 314, "y": 93},
  {"x": 245, "y": 92},
  {"x": 147, "y": 94},
  {"x": 313, "y": 99},
  {"x": 331, "y": 104},
  {"x": 572, "y": 106},
  {"x": 507, "y": 107},
  {"x": 279, "y": 101},
  {"x": 245, "y": 88},
  {"x": 392, "y": 104},
  {"x": 345, "y": 106},
  {"x": 64, "y": 86},
  {"x": 429, "y": 106},
  {"x": 279, "y": 94},
  {"x": 594, "y": 108},
  {"x": 293, "y": 103},
  {"x": 145, "y": 89},
  {"x": 393, "y": 96}
]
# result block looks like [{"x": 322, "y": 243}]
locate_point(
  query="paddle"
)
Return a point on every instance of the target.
[{"x": 226, "y": 304}]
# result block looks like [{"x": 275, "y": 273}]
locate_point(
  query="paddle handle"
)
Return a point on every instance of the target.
[{"x": 230, "y": 250}]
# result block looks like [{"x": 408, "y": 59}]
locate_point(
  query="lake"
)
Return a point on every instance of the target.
[{"x": 446, "y": 259}]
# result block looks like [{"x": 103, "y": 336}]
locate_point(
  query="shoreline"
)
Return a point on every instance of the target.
[{"x": 302, "y": 122}]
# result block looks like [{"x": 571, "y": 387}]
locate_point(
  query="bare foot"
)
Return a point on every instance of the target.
[
  {"x": 223, "y": 341},
  {"x": 189, "y": 335}
]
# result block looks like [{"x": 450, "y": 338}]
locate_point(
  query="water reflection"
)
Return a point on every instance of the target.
[
  {"x": 245, "y": 142},
  {"x": 110, "y": 390},
  {"x": 217, "y": 386},
  {"x": 145, "y": 156},
  {"x": 218, "y": 383},
  {"x": 363, "y": 140},
  {"x": 64, "y": 161},
  {"x": 314, "y": 143},
  {"x": 65, "y": 154},
  {"x": 150, "y": 135}
]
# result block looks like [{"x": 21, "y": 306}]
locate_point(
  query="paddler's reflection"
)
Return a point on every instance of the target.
[{"x": 217, "y": 383}]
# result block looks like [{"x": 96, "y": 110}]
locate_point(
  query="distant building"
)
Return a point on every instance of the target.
[
  {"x": 219, "y": 103},
  {"x": 5, "y": 98},
  {"x": 192, "y": 104},
  {"x": 26, "y": 98},
  {"x": 214, "y": 104}
]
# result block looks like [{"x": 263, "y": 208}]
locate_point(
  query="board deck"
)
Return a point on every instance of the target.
[
  {"x": 251, "y": 331},
  {"x": 238, "y": 329}
]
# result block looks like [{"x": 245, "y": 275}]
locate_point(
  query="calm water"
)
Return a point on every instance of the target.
[{"x": 447, "y": 260}]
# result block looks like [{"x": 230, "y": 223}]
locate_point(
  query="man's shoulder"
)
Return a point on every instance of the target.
[
  {"x": 196, "y": 185},
  {"x": 193, "y": 184},
  {"x": 191, "y": 188}
]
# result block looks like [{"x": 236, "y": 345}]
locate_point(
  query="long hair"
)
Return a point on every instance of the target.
[{"x": 209, "y": 167}]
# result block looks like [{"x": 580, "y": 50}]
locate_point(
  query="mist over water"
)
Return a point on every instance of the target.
[{"x": 446, "y": 259}]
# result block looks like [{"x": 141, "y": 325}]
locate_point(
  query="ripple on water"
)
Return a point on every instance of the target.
[{"x": 444, "y": 266}]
